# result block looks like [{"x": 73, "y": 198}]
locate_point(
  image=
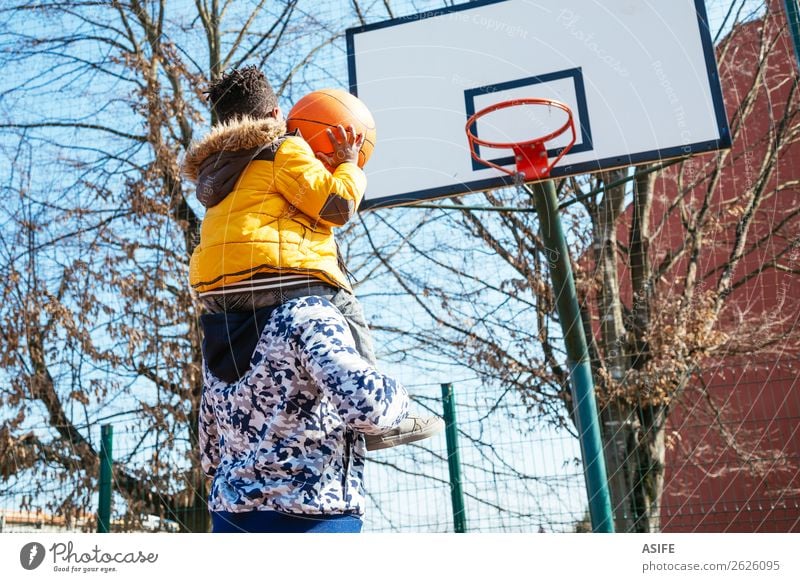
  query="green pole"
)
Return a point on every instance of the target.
[
  {"x": 544, "y": 195},
  {"x": 793, "y": 18},
  {"x": 104, "y": 496},
  {"x": 453, "y": 462}
]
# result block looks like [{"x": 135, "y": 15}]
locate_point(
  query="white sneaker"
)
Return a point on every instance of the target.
[{"x": 411, "y": 429}]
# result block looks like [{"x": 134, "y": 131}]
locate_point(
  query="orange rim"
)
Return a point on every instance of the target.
[{"x": 475, "y": 140}]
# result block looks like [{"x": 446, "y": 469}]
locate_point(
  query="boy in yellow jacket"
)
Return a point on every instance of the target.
[{"x": 271, "y": 206}]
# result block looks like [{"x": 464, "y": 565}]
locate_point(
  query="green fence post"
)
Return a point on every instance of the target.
[
  {"x": 104, "y": 495},
  {"x": 580, "y": 372},
  {"x": 453, "y": 462}
]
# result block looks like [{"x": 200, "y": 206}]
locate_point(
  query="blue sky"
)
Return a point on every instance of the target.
[{"x": 544, "y": 456}]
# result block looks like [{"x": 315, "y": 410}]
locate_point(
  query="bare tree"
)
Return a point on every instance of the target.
[
  {"x": 97, "y": 324},
  {"x": 97, "y": 320},
  {"x": 663, "y": 262}
]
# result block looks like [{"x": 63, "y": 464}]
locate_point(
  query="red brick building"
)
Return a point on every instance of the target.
[{"x": 733, "y": 439}]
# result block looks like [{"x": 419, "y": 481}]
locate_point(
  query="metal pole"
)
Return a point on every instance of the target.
[
  {"x": 793, "y": 18},
  {"x": 453, "y": 462},
  {"x": 544, "y": 195},
  {"x": 104, "y": 495}
]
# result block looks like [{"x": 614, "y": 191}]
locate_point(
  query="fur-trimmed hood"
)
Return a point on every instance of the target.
[
  {"x": 243, "y": 134},
  {"x": 216, "y": 161}
]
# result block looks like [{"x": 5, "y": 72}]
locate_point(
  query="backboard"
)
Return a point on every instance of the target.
[{"x": 639, "y": 75}]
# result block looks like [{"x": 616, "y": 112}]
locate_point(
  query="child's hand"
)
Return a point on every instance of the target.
[{"x": 346, "y": 145}]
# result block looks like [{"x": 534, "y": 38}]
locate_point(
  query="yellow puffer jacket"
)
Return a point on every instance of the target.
[{"x": 271, "y": 205}]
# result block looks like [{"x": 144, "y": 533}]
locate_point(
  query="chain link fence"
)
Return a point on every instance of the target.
[{"x": 733, "y": 457}]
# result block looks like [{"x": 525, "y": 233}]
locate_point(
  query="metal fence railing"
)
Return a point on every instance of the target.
[{"x": 733, "y": 459}]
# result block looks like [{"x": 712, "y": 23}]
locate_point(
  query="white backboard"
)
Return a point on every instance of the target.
[{"x": 639, "y": 75}]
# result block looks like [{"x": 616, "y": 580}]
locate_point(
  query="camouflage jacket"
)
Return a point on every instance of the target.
[{"x": 288, "y": 435}]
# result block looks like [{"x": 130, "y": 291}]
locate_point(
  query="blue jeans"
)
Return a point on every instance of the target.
[{"x": 276, "y": 522}]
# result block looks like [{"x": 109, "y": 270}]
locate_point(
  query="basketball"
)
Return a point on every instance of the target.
[{"x": 327, "y": 108}]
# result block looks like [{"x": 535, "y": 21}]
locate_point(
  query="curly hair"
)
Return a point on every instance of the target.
[{"x": 242, "y": 92}]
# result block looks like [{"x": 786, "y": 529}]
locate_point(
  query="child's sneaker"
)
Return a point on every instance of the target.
[{"x": 413, "y": 428}]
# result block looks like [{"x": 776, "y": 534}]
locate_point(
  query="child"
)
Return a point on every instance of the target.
[{"x": 271, "y": 206}]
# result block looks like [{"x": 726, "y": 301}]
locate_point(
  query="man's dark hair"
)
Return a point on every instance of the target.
[{"x": 241, "y": 92}]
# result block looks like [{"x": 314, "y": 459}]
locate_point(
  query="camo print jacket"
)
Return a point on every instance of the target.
[{"x": 288, "y": 435}]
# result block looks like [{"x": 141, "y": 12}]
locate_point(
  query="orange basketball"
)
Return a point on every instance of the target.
[{"x": 327, "y": 108}]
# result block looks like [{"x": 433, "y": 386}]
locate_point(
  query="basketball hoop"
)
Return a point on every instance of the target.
[{"x": 530, "y": 156}]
